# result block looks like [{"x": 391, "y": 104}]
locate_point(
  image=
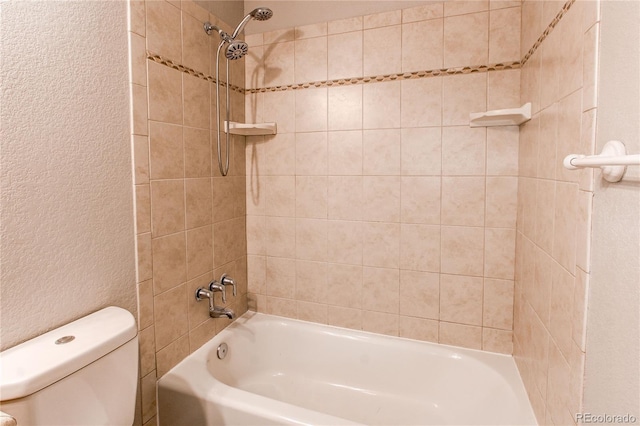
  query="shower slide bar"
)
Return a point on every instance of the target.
[{"x": 613, "y": 160}]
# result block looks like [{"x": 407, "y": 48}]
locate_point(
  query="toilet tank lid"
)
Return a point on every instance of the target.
[{"x": 40, "y": 362}]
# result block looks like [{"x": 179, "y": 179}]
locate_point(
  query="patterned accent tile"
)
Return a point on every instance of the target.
[{"x": 376, "y": 78}]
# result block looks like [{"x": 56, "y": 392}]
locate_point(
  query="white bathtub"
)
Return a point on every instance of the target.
[{"x": 283, "y": 371}]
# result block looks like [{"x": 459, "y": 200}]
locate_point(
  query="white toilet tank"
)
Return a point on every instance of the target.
[{"x": 84, "y": 373}]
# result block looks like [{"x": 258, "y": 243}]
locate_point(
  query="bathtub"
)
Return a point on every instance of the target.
[{"x": 280, "y": 371}]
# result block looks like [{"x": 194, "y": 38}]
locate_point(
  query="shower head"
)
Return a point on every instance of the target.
[
  {"x": 236, "y": 50},
  {"x": 259, "y": 14}
]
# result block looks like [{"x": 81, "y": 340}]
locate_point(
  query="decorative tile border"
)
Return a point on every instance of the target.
[
  {"x": 378, "y": 78},
  {"x": 390, "y": 77},
  {"x": 547, "y": 31},
  {"x": 176, "y": 66}
]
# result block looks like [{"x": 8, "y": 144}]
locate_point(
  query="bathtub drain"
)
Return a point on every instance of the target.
[{"x": 222, "y": 350}]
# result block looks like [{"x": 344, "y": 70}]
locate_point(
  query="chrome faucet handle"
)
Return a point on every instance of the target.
[
  {"x": 225, "y": 280},
  {"x": 202, "y": 293},
  {"x": 216, "y": 286}
]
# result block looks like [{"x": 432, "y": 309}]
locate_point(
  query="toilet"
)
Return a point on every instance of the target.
[{"x": 83, "y": 373}]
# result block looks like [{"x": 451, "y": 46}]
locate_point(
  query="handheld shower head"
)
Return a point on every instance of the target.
[{"x": 259, "y": 14}]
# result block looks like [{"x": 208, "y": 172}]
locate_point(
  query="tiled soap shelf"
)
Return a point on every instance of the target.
[
  {"x": 501, "y": 117},
  {"x": 250, "y": 129}
]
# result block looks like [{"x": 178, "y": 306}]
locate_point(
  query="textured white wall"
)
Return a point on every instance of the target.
[
  {"x": 67, "y": 245},
  {"x": 612, "y": 371}
]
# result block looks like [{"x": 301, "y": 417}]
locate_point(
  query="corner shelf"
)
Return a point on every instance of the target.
[
  {"x": 501, "y": 117},
  {"x": 250, "y": 129}
]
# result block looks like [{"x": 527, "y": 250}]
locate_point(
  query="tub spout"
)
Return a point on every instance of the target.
[{"x": 218, "y": 312}]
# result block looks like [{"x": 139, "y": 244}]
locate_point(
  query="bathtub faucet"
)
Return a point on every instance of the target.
[
  {"x": 219, "y": 312},
  {"x": 214, "y": 311}
]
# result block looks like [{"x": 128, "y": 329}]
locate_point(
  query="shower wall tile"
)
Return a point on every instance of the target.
[
  {"x": 279, "y": 36},
  {"x": 345, "y": 108},
  {"x": 143, "y": 209},
  {"x": 196, "y": 101},
  {"x": 281, "y": 277},
  {"x": 461, "y": 299},
  {"x": 420, "y": 151},
  {"x": 163, "y": 29},
  {"x": 175, "y": 188},
  {"x": 462, "y": 95},
  {"x": 420, "y": 200},
  {"x": 197, "y": 152},
  {"x": 310, "y": 60},
  {"x": 199, "y": 251},
  {"x": 312, "y": 30},
  {"x": 165, "y": 94},
  {"x": 145, "y": 306},
  {"x": 421, "y": 102},
  {"x": 463, "y": 151},
  {"x": 167, "y": 207},
  {"x": 311, "y": 110},
  {"x": 140, "y": 159},
  {"x": 170, "y": 263},
  {"x": 381, "y": 323},
  {"x": 137, "y": 17},
  {"x": 195, "y": 43},
  {"x": 143, "y": 257},
  {"x": 418, "y": 329},
  {"x": 389, "y": 182},
  {"x": 382, "y": 52},
  {"x": 460, "y": 335},
  {"x": 554, "y": 206},
  {"x": 502, "y": 151},
  {"x": 383, "y": 19},
  {"x": 279, "y": 107},
  {"x": 463, "y": 200},
  {"x": 165, "y": 153},
  {"x": 138, "y": 68},
  {"x": 279, "y": 64},
  {"x": 191, "y": 8},
  {"x": 345, "y": 25},
  {"x": 314, "y": 312},
  {"x": 344, "y": 152},
  {"x": 504, "y": 28},
  {"x": 422, "y": 13},
  {"x": 462, "y": 250},
  {"x": 139, "y": 110},
  {"x": 462, "y": 7},
  {"x": 497, "y": 340},
  {"x": 381, "y": 152},
  {"x": 466, "y": 39},
  {"x": 345, "y": 53},
  {"x": 420, "y": 295},
  {"x": 381, "y": 105},
  {"x": 503, "y": 89}
]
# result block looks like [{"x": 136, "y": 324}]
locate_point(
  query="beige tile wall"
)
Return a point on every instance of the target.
[
  {"x": 376, "y": 206},
  {"x": 190, "y": 221},
  {"x": 554, "y": 207}
]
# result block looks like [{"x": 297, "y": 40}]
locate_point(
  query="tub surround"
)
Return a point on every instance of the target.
[
  {"x": 190, "y": 225},
  {"x": 559, "y": 78},
  {"x": 376, "y": 207}
]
